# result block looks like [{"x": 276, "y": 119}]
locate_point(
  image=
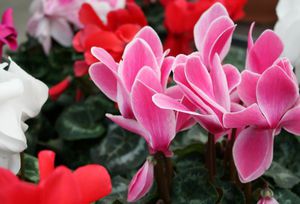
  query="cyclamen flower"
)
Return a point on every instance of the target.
[
  {"x": 8, "y": 33},
  {"x": 22, "y": 97},
  {"x": 131, "y": 83},
  {"x": 51, "y": 19},
  {"x": 113, "y": 35},
  {"x": 287, "y": 27},
  {"x": 181, "y": 17},
  {"x": 269, "y": 90},
  {"x": 59, "y": 185},
  {"x": 203, "y": 80},
  {"x": 267, "y": 197}
]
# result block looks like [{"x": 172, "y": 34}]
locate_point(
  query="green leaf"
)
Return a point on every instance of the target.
[
  {"x": 119, "y": 191},
  {"x": 283, "y": 177},
  {"x": 230, "y": 193},
  {"x": 190, "y": 185},
  {"x": 120, "y": 151},
  {"x": 284, "y": 196},
  {"x": 81, "y": 121},
  {"x": 31, "y": 170}
]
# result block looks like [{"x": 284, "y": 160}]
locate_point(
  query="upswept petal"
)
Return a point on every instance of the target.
[
  {"x": 130, "y": 125},
  {"x": 149, "y": 78},
  {"x": 105, "y": 79},
  {"x": 253, "y": 153},
  {"x": 205, "y": 21},
  {"x": 217, "y": 38},
  {"x": 150, "y": 36},
  {"x": 247, "y": 88},
  {"x": 137, "y": 54},
  {"x": 124, "y": 100},
  {"x": 141, "y": 182},
  {"x": 255, "y": 62},
  {"x": 180, "y": 79},
  {"x": 104, "y": 57},
  {"x": 166, "y": 69},
  {"x": 233, "y": 76},
  {"x": 287, "y": 67},
  {"x": 250, "y": 115},
  {"x": 290, "y": 121},
  {"x": 274, "y": 104},
  {"x": 158, "y": 122},
  {"x": 220, "y": 86}
]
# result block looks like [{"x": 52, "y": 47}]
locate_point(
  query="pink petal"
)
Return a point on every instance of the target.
[
  {"x": 221, "y": 91},
  {"x": 247, "y": 116},
  {"x": 150, "y": 36},
  {"x": 255, "y": 62},
  {"x": 233, "y": 76},
  {"x": 61, "y": 31},
  {"x": 104, "y": 79},
  {"x": 7, "y": 18},
  {"x": 287, "y": 67},
  {"x": 253, "y": 153},
  {"x": 159, "y": 123},
  {"x": 247, "y": 88},
  {"x": 130, "y": 125},
  {"x": 124, "y": 100},
  {"x": 290, "y": 121},
  {"x": 149, "y": 78},
  {"x": 180, "y": 79},
  {"x": 205, "y": 21},
  {"x": 104, "y": 57},
  {"x": 217, "y": 39},
  {"x": 141, "y": 183},
  {"x": 276, "y": 93},
  {"x": 267, "y": 200},
  {"x": 166, "y": 70},
  {"x": 136, "y": 55},
  {"x": 250, "y": 39}
]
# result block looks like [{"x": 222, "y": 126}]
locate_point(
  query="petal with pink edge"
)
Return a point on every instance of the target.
[
  {"x": 149, "y": 78},
  {"x": 166, "y": 70},
  {"x": 129, "y": 124},
  {"x": 150, "y": 36},
  {"x": 233, "y": 76},
  {"x": 61, "y": 31},
  {"x": 276, "y": 93},
  {"x": 247, "y": 88},
  {"x": 247, "y": 116},
  {"x": 205, "y": 21},
  {"x": 158, "y": 122},
  {"x": 290, "y": 121},
  {"x": 141, "y": 183},
  {"x": 137, "y": 54},
  {"x": 104, "y": 79},
  {"x": 104, "y": 57},
  {"x": 253, "y": 153},
  {"x": 267, "y": 45}
]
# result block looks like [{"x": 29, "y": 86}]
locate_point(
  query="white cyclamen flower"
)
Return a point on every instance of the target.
[
  {"x": 288, "y": 28},
  {"x": 21, "y": 97}
]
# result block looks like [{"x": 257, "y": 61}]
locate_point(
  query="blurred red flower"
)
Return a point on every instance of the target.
[
  {"x": 182, "y": 15},
  {"x": 57, "y": 185}
]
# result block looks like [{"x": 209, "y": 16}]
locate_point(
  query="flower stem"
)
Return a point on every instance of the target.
[
  {"x": 163, "y": 172},
  {"x": 248, "y": 192},
  {"x": 211, "y": 156}
]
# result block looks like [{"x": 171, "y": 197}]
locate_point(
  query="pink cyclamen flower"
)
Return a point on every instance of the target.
[
  {"x": 269, "y": 90},
  {"x": 51, "y": 19},
  {"x": 8, "y": 33},
  {"x": 205, "y": 83},
  {"x": 267, "y": 197},
  {"x": 131, "y": 83}
]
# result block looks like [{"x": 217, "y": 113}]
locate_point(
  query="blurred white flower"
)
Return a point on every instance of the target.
[
  {"x": 288, "y": 28},
  {"x": 21, "y": 97}
]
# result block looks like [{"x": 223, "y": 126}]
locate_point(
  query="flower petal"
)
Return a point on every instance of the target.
[
  {"x": 46, "y": 163},
  {"x": 105, "y": 79},
  {"x": 159, "y": 123},
  {"x": 61, "y": 31},
  {"x": 233, "y": 76},
  {"x": 261, "y": 47},
  {"x": 94, "y": 182},
  {"x": 290, "y": 121},
  {"x": 247, "y": 88},
  {"x": 253, "y": 153},
  {"x": 141, "y": 182},
  {"x": 104, "y": 57},
  {"x": 276, "y": 93}
]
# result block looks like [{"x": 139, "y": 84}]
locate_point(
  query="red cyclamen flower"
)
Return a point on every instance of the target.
[{"x": 57, "y": 185}]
